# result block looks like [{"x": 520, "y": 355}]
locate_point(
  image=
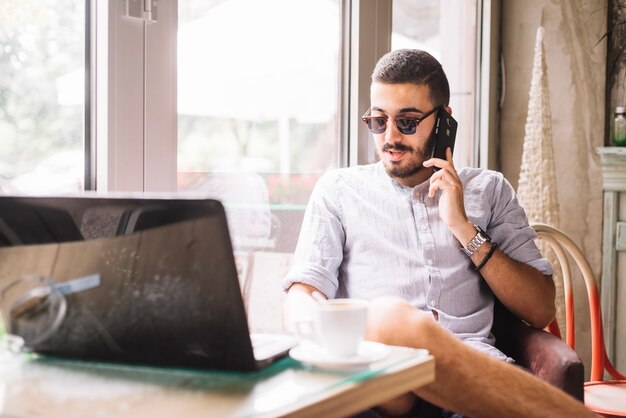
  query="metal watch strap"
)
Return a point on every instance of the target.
[{"x": 479, "y": 239}]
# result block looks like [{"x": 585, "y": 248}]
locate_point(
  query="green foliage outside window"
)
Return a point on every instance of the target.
[{"x": 41, "y": 41}]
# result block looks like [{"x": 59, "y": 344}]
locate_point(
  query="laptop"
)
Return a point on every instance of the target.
[{"x": 138, "y": 280}]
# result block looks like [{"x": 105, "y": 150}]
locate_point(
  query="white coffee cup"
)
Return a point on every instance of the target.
[{"x": 338, "y": 326}]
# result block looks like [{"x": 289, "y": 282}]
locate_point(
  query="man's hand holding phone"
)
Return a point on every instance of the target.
[{"x": 445, "y": 178}]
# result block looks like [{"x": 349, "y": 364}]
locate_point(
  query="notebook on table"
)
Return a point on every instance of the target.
[{"x": 144, "y": 281}]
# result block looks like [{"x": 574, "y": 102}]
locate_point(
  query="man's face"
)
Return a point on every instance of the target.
[{"x": 403, "y": 155}]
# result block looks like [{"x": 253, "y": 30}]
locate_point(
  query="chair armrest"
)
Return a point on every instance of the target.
[{"x": 545, "y": 355}]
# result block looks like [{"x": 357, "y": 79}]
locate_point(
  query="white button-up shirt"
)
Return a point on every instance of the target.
[{"x": 365, "y": 235}]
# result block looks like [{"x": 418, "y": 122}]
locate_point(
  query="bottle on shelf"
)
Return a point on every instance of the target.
[{"x": 619, "y": 127}]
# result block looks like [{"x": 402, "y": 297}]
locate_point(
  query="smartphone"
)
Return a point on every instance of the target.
[{"x": 445, "y": 133}]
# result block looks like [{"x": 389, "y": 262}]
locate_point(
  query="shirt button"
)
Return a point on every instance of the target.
[{"x": 429, "y": 262}]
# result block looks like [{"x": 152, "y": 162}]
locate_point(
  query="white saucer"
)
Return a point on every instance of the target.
[{"x": 314, "y": 355}]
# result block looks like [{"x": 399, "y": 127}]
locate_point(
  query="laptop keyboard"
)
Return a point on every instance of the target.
[
  {"x": 261, "y": 340},
  {"x": 271, "y": 345}
]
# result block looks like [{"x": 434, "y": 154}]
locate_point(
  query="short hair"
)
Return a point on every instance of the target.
[{"x": 417, "y": 67}]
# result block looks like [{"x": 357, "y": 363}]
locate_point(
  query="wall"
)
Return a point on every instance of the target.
[{"x": 576, "y": 65}]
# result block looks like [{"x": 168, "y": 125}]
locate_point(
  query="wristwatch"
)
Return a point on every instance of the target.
[{"x": 479, "y": 239}]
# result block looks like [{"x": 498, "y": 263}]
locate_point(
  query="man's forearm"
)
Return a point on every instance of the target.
[
  {"x": 525, "y": 291},
  {"x": 298, "y": 304}
]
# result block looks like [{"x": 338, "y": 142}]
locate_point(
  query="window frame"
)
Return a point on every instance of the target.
[
  {"x": 489, "y": 82},
  {"x": 134, "y": 100}
]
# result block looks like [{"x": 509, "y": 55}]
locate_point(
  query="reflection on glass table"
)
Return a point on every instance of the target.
[{"x": 50, "y": 387}]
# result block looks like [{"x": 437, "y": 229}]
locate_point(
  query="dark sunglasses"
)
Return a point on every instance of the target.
[{"x": 405, "y": 125}]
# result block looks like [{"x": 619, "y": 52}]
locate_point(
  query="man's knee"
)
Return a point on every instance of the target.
[{"x": 394, "y": 321}]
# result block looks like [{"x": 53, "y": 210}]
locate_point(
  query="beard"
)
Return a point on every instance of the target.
[{"x": 411, "y": 165}]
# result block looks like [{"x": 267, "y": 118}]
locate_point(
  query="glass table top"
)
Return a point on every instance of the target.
[{"x": 38, "y": 386}]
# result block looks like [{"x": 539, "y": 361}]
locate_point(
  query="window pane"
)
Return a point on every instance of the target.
[
  {"x": 447, "y": 30},
  {"x": 42, "y": 45},
  {"x": 257, "y": 109}
]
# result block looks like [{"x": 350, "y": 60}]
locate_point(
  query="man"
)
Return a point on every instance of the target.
[{"x": 423, "y": 245}]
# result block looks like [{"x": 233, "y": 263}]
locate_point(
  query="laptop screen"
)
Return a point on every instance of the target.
[{"x": 148, "y": 281}]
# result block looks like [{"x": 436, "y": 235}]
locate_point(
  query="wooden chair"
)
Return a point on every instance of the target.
[{"x": 605, "y": 397}]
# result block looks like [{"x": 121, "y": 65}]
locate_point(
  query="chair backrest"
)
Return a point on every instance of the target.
[{"x": 563, "y": 246}]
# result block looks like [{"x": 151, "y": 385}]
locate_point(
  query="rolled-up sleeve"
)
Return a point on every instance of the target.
[
  {"x": 319, "y": 251},
  {"x": 509, "y": 227}
]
